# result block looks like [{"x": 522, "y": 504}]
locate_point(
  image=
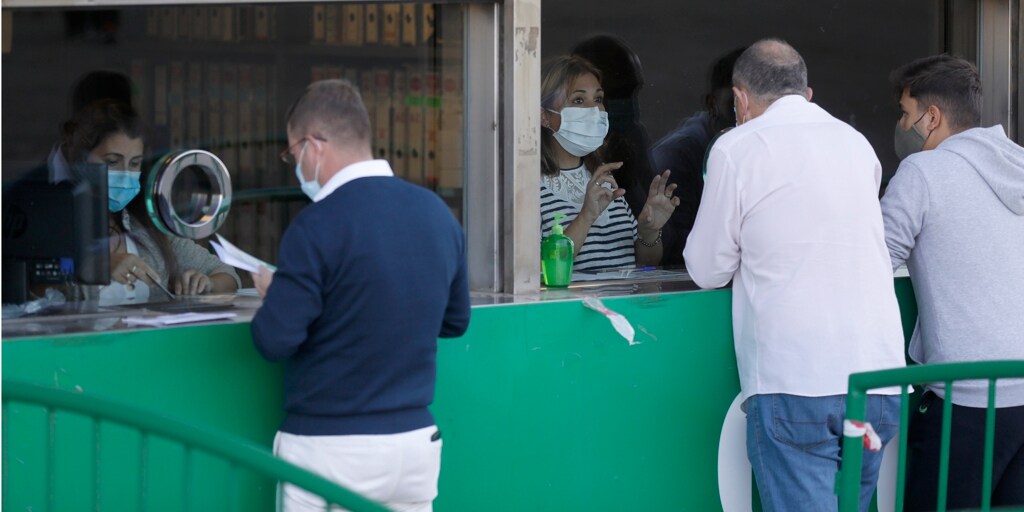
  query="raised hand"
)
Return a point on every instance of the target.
[
  {"x": 601, "y": 191},
  {"x": 660, "y": 203}
]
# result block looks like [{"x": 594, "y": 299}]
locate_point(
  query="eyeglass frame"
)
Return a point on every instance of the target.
[{"x": 286, "y": 155}]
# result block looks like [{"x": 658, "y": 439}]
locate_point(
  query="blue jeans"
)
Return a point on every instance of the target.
[{"x": 794, "y": 442}]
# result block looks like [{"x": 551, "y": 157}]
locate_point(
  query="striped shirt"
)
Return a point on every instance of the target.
[{"x": 609, "y": 243}]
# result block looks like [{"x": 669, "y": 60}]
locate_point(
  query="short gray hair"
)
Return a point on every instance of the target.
[
  {"x": 769, "y": 70},
  {"x": 332, "y": 109}
]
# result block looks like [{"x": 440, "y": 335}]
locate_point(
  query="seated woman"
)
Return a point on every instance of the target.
[
  {"x": 575, "y": 180},
  {"x": 109, "y": 132}
]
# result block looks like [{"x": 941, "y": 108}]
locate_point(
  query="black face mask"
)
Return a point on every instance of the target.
[{"x": 908, "y": 142}]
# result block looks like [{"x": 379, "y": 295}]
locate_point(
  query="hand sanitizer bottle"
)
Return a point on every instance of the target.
[{"x": 556, "y": 252}]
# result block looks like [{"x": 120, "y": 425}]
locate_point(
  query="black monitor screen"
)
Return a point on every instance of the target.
[{"x": 55, "y": 231}]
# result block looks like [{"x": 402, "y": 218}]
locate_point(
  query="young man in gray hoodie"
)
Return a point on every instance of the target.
[{"x": 954, "y": 213}]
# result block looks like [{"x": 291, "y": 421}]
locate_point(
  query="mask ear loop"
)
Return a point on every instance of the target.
[
  {"x": 319, "y": 160},
  {"x": 914, "y": 126},
  {"x": 546, "y": 123}
]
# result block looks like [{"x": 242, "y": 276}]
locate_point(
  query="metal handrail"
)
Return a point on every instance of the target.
[
  {"x": 848, "y": 479},
  {"x": 238, "y": 451}
]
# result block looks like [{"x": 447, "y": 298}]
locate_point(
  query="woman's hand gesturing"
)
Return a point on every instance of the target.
[
  {"x": 598, "y": 195},
  {"x": 660, "y": 203}
]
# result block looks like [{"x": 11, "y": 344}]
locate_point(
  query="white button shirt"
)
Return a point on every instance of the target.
[{"x": 790, "y": 214}]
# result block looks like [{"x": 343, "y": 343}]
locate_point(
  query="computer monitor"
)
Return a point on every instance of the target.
[{"x": 55, "y": 232}]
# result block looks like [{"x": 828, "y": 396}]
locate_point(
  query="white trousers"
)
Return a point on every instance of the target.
[{"x": 398, "y": 470}]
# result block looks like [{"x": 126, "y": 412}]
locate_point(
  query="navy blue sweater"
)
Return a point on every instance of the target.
[{"x": 368, "y": 278}]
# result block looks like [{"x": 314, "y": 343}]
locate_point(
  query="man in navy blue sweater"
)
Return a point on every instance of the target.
[{"x": 368, "y": 277}]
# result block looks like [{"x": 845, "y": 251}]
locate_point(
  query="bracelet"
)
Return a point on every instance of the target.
[{"x": 652, "y": 244}]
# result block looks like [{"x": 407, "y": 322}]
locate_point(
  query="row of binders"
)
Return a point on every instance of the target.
[
  {"x": 235, "y": 111},
  {"x": 341, "y": 23},
  {"x": 405, "y": 24},
  {"x": 417, "y": 116},
  {"x": 220, "y": 23}
]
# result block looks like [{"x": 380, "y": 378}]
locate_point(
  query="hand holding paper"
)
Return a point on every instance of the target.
[{"x": 231, "y": 255}]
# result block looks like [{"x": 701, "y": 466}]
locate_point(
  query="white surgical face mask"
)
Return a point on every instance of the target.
[
  {"x": 310, "y": 188},
  {"x": 582, "y": 130}
]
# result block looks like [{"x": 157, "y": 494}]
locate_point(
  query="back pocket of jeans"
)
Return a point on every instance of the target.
[{"x": 801, "y": 425}]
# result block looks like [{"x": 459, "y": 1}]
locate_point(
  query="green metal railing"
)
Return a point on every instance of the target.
[
  {"x": 848, "y": 479},
  {"x": 240, "y": 455}
]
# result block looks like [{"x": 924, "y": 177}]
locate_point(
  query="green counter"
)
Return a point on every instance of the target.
[{"x": 543, "y": 406}]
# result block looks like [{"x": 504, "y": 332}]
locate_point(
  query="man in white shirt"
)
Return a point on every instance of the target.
[{"x": 790, "y": 215}]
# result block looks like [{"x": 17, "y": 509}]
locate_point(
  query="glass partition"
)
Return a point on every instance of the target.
[{"x": 221, "y": 77}]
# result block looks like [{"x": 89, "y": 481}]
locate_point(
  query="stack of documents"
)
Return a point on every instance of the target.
[
  {"x": 231, "y": 255},
  {"x": 182, "y": 318}
]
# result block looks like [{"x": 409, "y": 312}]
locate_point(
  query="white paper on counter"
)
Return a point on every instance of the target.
[
  {"x": 182, "y": 318},
  {"x": 231, "y": 255},
  {"x": 619, "y": 322}
]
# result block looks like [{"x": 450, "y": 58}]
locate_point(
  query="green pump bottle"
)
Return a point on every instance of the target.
[{"x": 556, "y": 252}]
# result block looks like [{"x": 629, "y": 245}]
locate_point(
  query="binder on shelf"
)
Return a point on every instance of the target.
[
  {"x": 199, "y": 23},
  {"x": 276, "y": 138},
  {"x": 426, "y": 23},
  {"x": 390, "y": 24},
  {"x": 261, "y": 23},
  {"x": 415, "y": 127},
  {"x": 176, "y": 104},
  {"x": 371, "y": 25},
  {"x": 246, "y": 162},
  {"x": 401, "y": 149},
  {"x": 194, "y": 105},
  {"x": 332, "y": 24},
  {"x": 261, "y": 128},
  {"x": 431, "y": 126},
  {"x": 214, "y": 94},
  {"x": 258, "y": 146},
  {"x": 160, "y": 95},
  {"x": 319, "y": 34},
  {"x": 152, "y": 23},
  {"x": 352, "y": 24},
  {"x": 247, "y": 226},
  {"x": 142, "y": 89},
  {"x": 168, "y": 23},
  {"x": 382, "y": 129},
  {"x": 334, "y": 72},
  {"x": 450, "y": 144},
  {"x": 184, "y": 17},
  {"x": 228, "y": 24},
  {"x": 409, "y": 19},
  {"x": 369, "y": 96},
  {"x": 244, "y": 22},
  {"x": 214, "y": 24},
  {"x": 229, "y": 119}
]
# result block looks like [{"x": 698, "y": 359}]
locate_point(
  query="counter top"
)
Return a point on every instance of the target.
[{"x": 88, "y": 316}]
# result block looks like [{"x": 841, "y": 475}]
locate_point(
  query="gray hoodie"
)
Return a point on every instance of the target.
[{"x": 955, "y": 215}]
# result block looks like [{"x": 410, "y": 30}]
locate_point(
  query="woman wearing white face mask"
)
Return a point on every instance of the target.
[
  {"x": 108, "y": 132},
  {"x": 575, "y": 181}
]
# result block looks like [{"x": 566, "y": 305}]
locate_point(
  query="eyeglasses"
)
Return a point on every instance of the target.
[{"x": 287, "y": 156}]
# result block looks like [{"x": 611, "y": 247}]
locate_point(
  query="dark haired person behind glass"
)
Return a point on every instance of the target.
[
  {"x": 790, "y": 214},
  {"x": 576, "y": 181},
  {"x": 954, "y": 212},
  {"x": 109, "y": 132},
  {"x": 622, "y": 77},
  {"x": 683, "y": 152}
]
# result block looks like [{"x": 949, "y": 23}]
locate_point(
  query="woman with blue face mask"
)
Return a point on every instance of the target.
[
  {"x": 575, "y": 180},
  {"x": 109, "y": 132}
]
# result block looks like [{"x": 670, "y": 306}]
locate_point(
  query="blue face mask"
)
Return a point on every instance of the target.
[
  {"x": 310, "y": 188},
  {"x": 122, "y": 187}
]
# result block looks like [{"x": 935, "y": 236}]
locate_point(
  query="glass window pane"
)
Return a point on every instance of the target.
[{"x": 221, "y": 78}]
